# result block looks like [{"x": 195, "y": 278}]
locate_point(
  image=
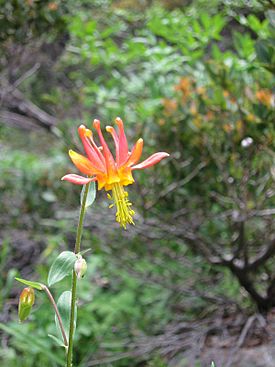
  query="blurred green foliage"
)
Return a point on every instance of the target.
[
  {"x": 22, "y": 21},
  {"x": 193, "y": 83}
]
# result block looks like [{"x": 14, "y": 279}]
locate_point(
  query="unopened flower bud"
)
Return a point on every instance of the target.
[
  {"x": 80, "y": 267},
  {"x": 26, "y": 301}
]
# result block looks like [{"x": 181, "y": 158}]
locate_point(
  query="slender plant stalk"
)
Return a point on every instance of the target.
[
  {"x": 74, "y": 277},
  {"x": 47, "y": 291}
]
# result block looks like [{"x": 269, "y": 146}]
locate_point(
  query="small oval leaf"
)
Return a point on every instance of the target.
[
  {"x": 61, "y": 267},
  {"x": 35, "y": 285},
  {"x": 90, "y": 196},
  {"x": 64, "y": 308}
]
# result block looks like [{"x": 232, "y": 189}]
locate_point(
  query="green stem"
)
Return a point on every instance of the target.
[{"x": 74, "y": 277}]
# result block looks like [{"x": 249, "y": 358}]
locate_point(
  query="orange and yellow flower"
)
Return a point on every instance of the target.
[
  {"x": 185, "y": 87},
  {"x": 170, "y": 106},
  {"x": 111, "y": 174},
  {"x": 265, "y": 97}
]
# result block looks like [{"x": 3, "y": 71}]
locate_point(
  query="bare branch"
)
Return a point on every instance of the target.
[
  {"x": 16, "y": 120},
  {"x": 263, "y": 257},
  {"x": 16, "y": 100},
  {"x": 26, "y": 75},
  {"x": 176, "y": 185},
  {"x": 262, "y": 213}
]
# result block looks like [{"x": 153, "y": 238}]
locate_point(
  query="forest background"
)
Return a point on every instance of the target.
[{"x": 193, "y": 282}]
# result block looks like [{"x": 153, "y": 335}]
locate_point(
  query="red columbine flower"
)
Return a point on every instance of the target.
[{"x": 111, "y": 174}]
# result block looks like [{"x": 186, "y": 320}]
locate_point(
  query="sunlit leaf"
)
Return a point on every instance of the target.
[
  {"x": 35, "y": 285},
  {"x": 62, "y": 267}
]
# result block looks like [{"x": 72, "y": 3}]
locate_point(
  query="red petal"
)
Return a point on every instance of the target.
[
  {"x": 78, "y": 180},
  {"x": 112, "y": 131},
  {"x": 152, "y": 160},
  {"x": 109, "y": 159},
  {"x": 123, "y": 144},
  {"x": 92, "y": 151}
]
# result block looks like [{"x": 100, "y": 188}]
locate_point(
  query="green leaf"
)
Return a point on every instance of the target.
[
  {"x": 270, "y": 14},
  {"x": 213, "y": 364},
  {"x": 265, "y": 51},
  {"x": 35, "y": 285},
  {"x": 91, "y": 194},
  {"x": 254, "y": 23},
  {"x": 57, "y": 340},
  {"x": 64, "y": 308},
  {"x": 31, "y": 342},
  {"x": 62, "y": 266}
]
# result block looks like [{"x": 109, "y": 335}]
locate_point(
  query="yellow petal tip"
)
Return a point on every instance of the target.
[{"x": 119, "y": 122}]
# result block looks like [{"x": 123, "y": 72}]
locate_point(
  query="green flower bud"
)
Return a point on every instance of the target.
[
  {"x": 80, "y": 267},
  {"x": 26, "y": 301}
]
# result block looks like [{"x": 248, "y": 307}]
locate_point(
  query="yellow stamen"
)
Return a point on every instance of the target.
[{"x": 124, "y": 214}]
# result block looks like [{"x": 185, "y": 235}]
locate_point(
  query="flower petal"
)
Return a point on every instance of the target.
[
  {"x": 83, "y": 164},
  {"x": 135, "y": 154},
  {"x": 92, "y": 151},
  {"x": 112, "y": 131},
  {"x": 123, "y": 144},
  {"x": 78, "y": 180},
  {"x": 109, "y": 159},
  {"x": 152, "y": 160}
]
